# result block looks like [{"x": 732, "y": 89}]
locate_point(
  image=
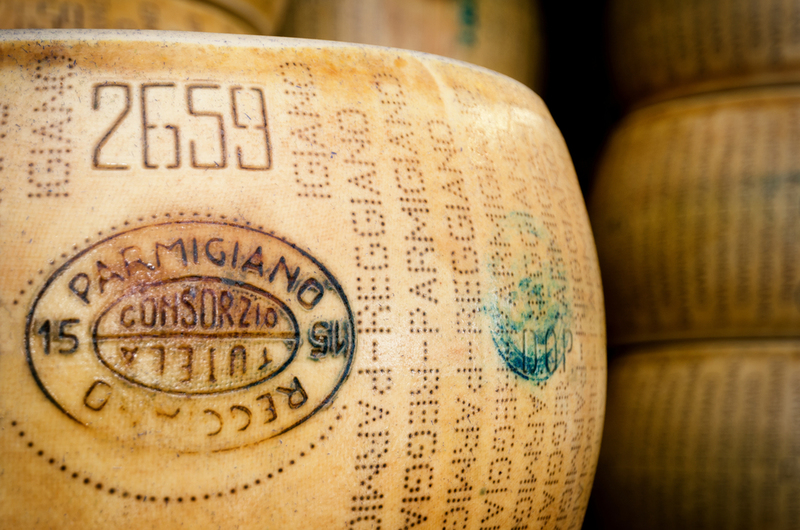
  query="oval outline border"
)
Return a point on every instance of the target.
[
  {"x": 63, "y": 268},
  {"x": 226, "y": 281}
]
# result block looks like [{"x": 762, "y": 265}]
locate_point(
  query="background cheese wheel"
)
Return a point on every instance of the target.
[
  {"x": 695, "y": 211},
  {"x": 256, "y": 282},
  {"x": 265, "y": 15},
  {"x": 664, "y": 49},
  {"x": 702, "y": 435},
  {"x": 504, "y": 36},
  {"x": 182, "y": 15}
]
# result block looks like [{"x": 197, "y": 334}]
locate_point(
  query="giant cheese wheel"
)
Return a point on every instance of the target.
[
  {"x": 504, "y": 36},
  {"x": 185, "y": 15},
  {"x": 696, "y": 214},
  {"x": 253, "y": 282},
  {"x": 662, "y": 49},
  {"x": 702, "y": 435}
]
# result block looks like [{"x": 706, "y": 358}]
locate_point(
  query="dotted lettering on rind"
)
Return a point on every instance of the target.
[
  {"x": 411, "y": 188},
  {"x": 498, "y": 485},
  {"x": 311, "y": 154},
  {"x": 541, "y": 287},
  {"x": 373, "y": 310},
  {"x": 462, "y": 507},
  {"x": 372, "y": 439},
  {"x": 421, "y": 440},
  {"x": 50, "y": 129},
  {"x": 529, "y": 498},
  {"x": 4, "y": 130},
  {"x": 463, "y": 461},
  {"x": 461, "y": 230}
]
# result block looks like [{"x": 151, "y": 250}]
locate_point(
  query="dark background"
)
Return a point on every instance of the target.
[
  {"x": 579, "y": 93},
  {"x": 577, "y": 86}
]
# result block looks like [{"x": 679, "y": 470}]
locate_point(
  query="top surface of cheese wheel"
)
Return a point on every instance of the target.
[
  {"x": 660, "y": 50},
  {"x": 173, "y": 15},
  {"x": 504, "y": 36},
  {"x": 695, "y": 211},
  {"x": 252, "y": 282}
]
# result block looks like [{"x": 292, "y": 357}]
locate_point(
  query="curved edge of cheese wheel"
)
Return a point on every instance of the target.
[
  {"x": 702, "y": 434},
  {"x": 722, "y": 85}
]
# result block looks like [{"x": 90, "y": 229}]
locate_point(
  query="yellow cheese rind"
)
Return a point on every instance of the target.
[
  {"x": 695, "y": 214},
  {"x": 701, "y": 434},
  {"x": 172, "y": 15},
  {"x": 412, "y": 224}
]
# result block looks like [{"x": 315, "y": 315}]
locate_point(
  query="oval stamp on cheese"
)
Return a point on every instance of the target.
[{"x": 195, "y": 336}]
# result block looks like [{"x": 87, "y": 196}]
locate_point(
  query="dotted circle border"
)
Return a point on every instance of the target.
[{"x": 121, "y": 492}]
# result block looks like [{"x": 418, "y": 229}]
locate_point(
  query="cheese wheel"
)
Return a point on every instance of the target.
[
  {"x": 504, "y": 36},
  {"x": 702, "y": 435},
  {"x": 254, "y": 282},
  {"x": 265, "y": 15},
  {"x": 695, "y": 211},
  {"x": 184, "y": 15},
  {"x": 660, "y": 50}
]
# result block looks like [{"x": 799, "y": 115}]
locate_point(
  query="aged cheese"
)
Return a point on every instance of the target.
[
  {"x": 265, "y": 15},
  {"x": 665, "y": 49},
  {"x": 702, "y": 435},
  {"x": 504, "y": 36},
  {"x": 182, "y": 15},
  {"x": 696, "y": 214},
  {"x": 253, "y": 282}
]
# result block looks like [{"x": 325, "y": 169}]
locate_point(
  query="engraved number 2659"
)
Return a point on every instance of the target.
[{"x": 170, "y": 113}]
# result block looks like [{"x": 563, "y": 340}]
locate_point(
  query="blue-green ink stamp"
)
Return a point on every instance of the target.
[{"x": 529, "y": 309}]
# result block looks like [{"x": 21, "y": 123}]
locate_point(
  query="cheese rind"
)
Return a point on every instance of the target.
[
  {"x": 695, "y": 214},
  {"x": 337, "y": 283},
  {"x": 662, "y": 50},
  {"x": 171, "y": 15},
  {"x": 701, "y": 434}
]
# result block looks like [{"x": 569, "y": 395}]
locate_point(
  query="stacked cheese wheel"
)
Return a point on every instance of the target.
[
  {"x": 504, "y": 36},
  {"x": 681, "y": 47},
  {"x": 217, "y": 16},
  {"x": 703, "y": 435},
  {"x": 696, "y": 210}
]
